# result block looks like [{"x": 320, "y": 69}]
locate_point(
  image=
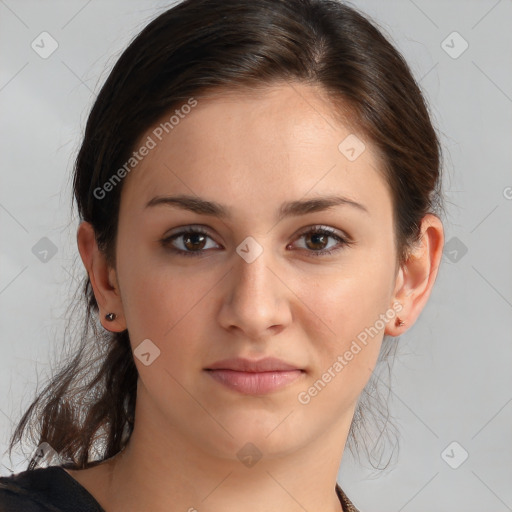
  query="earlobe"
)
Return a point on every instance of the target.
[
  {"x": 417, "y": 275},
  {"x": 103, "y": 279}
]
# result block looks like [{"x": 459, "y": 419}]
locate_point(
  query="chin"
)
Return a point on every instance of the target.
[{"x": 258, "y": 431}]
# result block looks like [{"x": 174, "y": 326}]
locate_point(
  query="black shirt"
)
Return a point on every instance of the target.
[{"x": 51, "y": 489}]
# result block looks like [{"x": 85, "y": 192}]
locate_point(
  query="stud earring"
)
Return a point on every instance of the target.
[
  {"x": 110, "y": 316},
  {"x": 398, "y": 322}
]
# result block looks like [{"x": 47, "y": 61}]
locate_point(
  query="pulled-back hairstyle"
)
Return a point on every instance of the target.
[{"x": 190, "y": 50}]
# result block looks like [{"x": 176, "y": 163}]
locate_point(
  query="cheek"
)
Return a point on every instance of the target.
[
  {"x": 350, "y": 311},
  {"x": 164, "y": 305}
]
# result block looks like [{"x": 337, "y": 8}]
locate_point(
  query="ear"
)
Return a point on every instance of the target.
[
  {"x": 415, "y": 278},
  {"x": 103, "y": 278}
]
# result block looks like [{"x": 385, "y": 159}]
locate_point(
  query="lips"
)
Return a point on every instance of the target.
[
  {"x": 268, "y": 364},
  {"x": 254, "y": 377}
]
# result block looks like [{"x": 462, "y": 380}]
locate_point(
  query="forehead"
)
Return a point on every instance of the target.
[{"x": 281, "y": 141}]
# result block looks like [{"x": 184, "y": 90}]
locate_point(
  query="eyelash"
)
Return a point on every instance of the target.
[{"x": 317, "y": 230}]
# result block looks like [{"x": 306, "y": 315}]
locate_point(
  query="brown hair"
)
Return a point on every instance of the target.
[{"x": 190, "y": 49}]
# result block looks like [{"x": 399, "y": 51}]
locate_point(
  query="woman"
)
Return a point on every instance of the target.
[{"x": 257, "y": 187}]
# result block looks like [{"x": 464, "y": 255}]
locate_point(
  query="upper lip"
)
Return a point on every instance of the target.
[{"x": 268, "y": 364}]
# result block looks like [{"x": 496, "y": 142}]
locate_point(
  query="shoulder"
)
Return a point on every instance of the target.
[{"x": 48, "y": 489}]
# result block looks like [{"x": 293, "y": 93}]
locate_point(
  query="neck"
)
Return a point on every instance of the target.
[{"x": 161, "y": 469}]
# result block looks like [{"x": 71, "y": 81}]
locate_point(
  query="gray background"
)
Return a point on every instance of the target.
[{"x": 452, "y": 380}]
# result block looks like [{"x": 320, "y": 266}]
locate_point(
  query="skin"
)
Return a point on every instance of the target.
[{"x": 249, "y": 152}]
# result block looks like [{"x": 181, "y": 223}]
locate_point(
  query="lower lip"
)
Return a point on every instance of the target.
[{"x": 255, "y": 383}]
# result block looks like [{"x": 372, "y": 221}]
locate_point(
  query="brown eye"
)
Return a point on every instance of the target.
[
  {"x": 317, "y": 239},
  {"x": 193, "y": 242}
]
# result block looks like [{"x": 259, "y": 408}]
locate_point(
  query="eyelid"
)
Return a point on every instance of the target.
[
  {"x": 323, "y": 227},
  {"x": 343, "y": 238},
  {"x": 200, "y": 228},
  {"x": 306, "y": 229}
]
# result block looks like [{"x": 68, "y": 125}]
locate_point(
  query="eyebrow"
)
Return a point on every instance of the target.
[{"x": 291, "y": 208}]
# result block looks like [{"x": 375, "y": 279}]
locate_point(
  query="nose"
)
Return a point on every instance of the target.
[{"x": 256, "y": 301}]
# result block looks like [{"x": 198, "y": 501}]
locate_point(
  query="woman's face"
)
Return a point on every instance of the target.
[{"x": 255, "y": 286}]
